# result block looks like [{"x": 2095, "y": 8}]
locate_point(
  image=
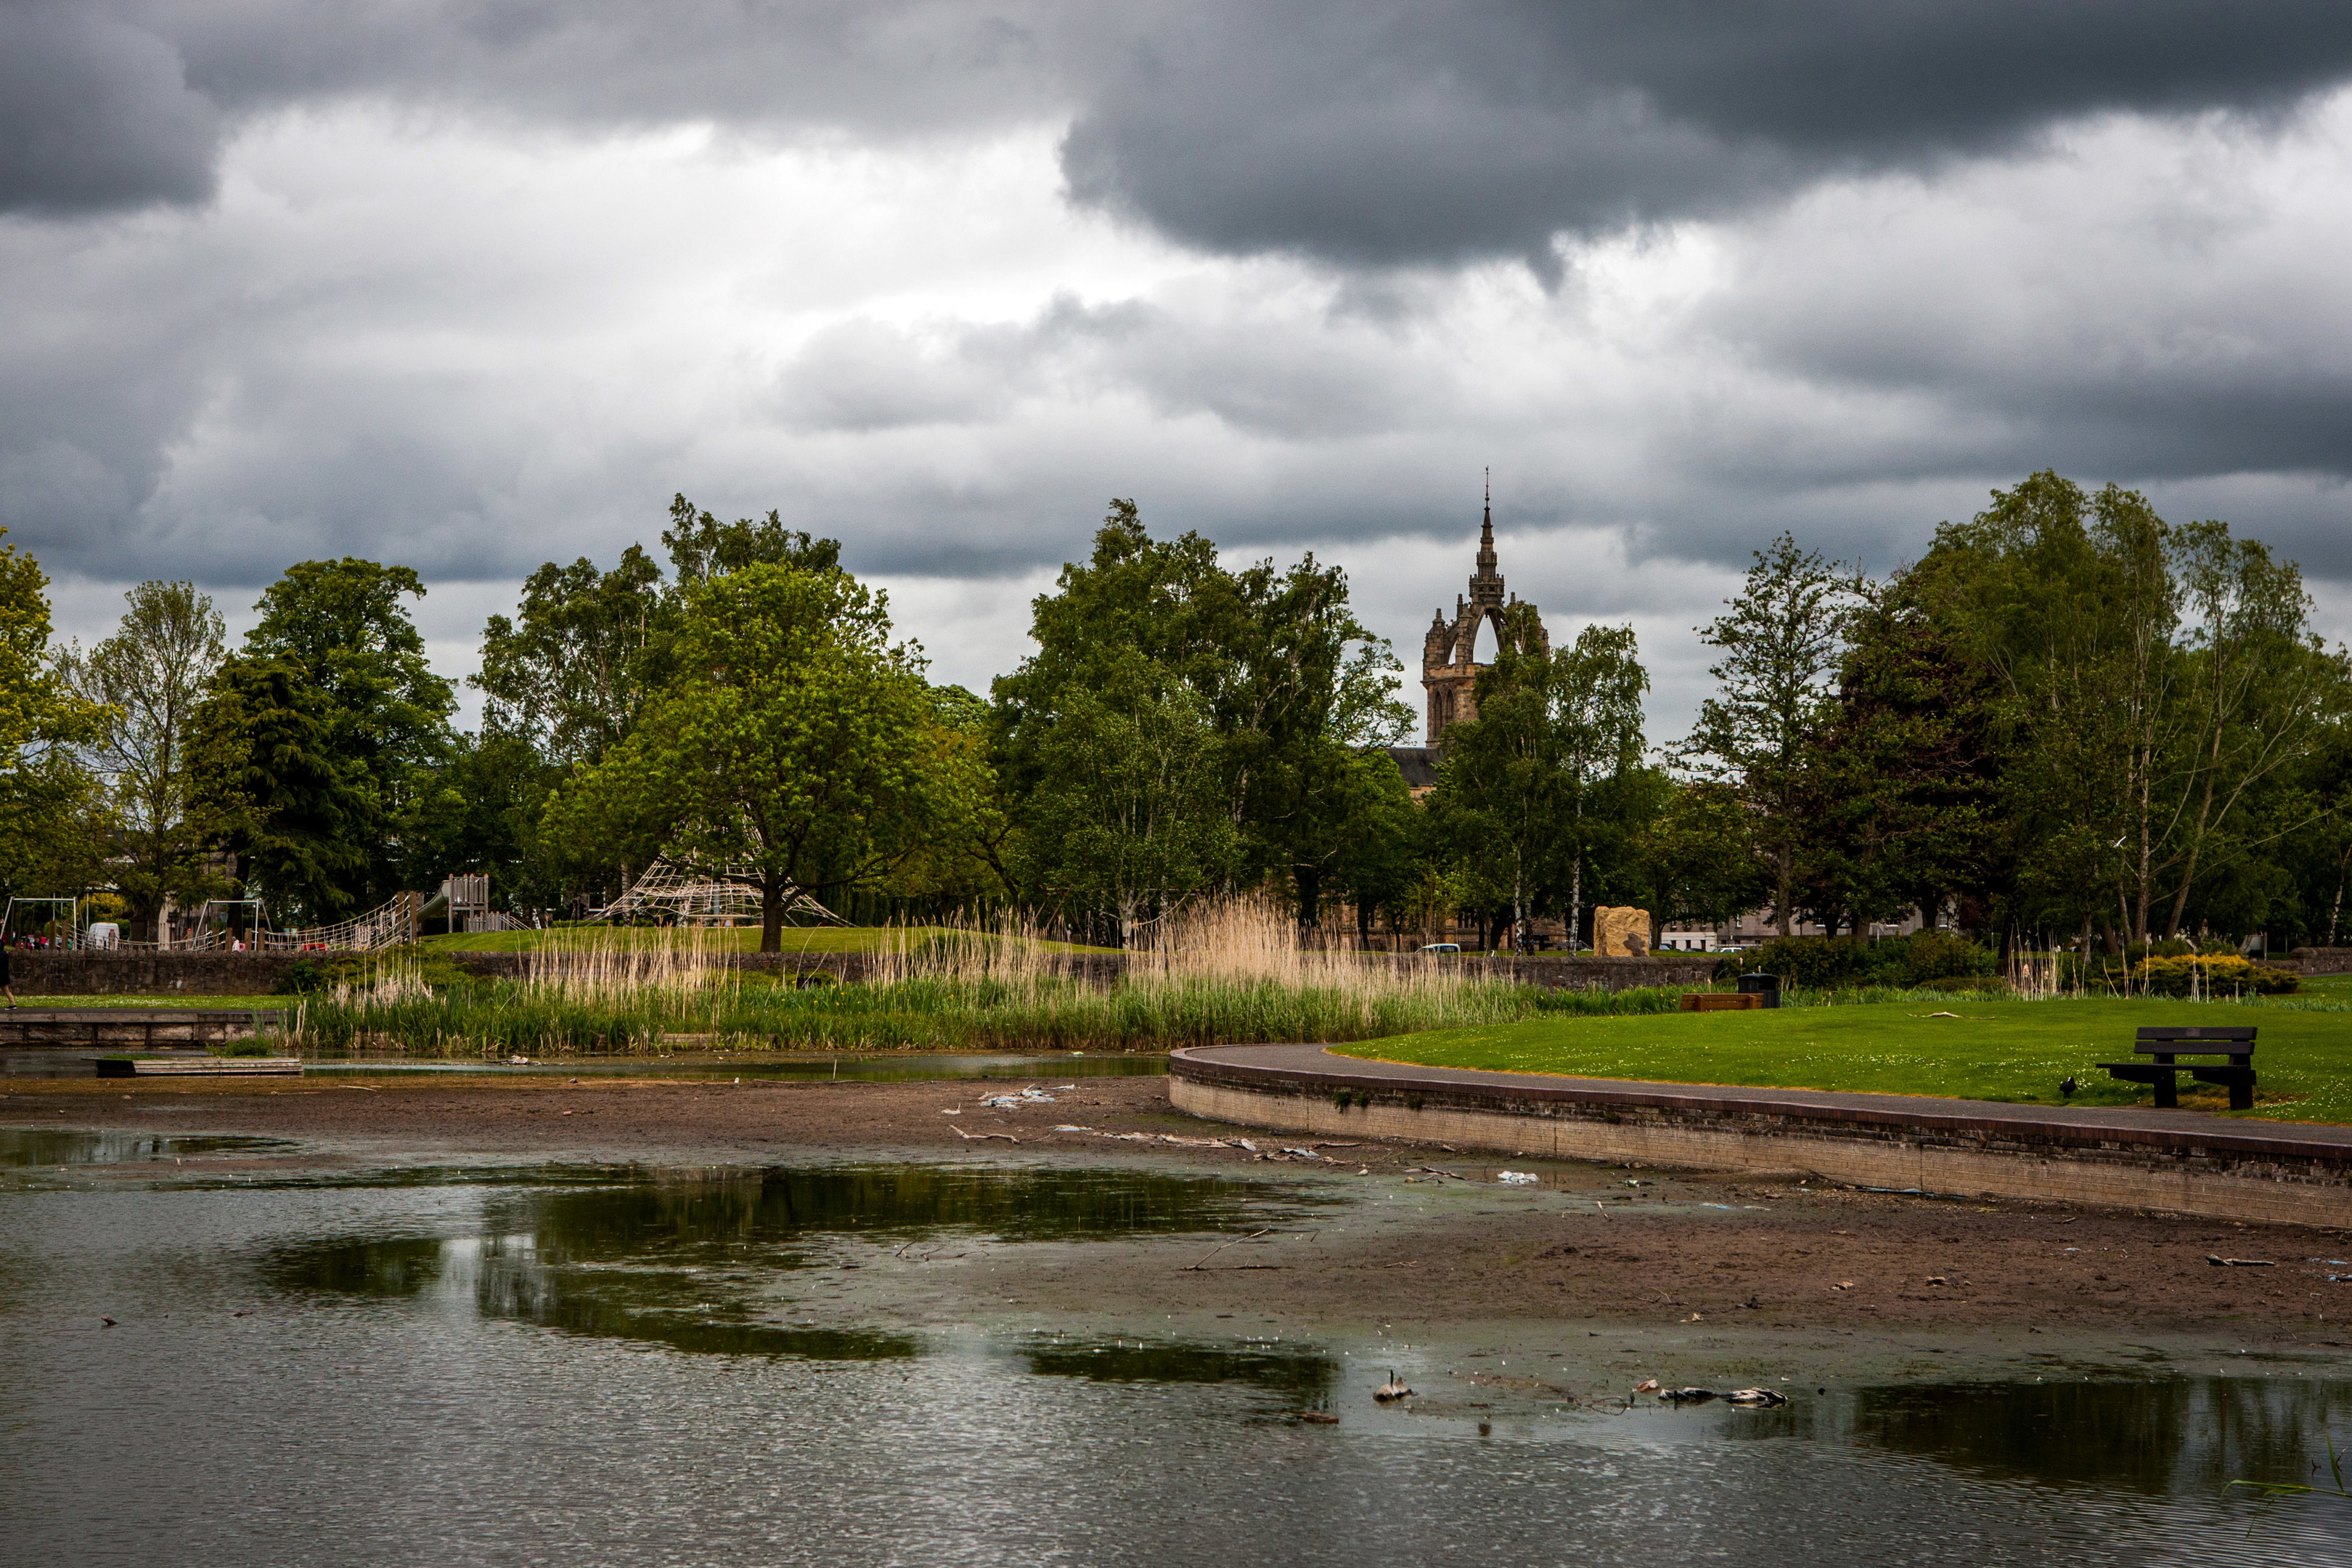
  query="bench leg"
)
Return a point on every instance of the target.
[
  {"x": 2241, "y": 1097},
  {"x": 2168, "y": 1097}
]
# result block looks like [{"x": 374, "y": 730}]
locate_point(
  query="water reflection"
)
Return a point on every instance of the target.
[
  {"x": 678, "y": 1259},
  {"x": 783, "y": 1206},
  {"x": 507, "y": 1278},
  {"x": 1300, "y": 1377},
  {"x": 2192, "y": 1434},
  {"x": 29, "y": 1148}
]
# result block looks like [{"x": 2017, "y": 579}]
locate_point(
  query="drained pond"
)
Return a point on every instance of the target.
[{"x": 846, "y": 1363}]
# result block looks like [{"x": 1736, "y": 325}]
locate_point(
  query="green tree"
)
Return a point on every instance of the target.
[
  {"x": 797, "y": 749},
  {"x": 1905, "y": 785},
  {"x": 148, "y": 679},
  {"x": 53, "y": 812},
  {"x": 1128, "y": 812},
  {"x": 1254, "y": 701},
  {"x": 1781, "y": 643},
  {"x": 702, "y": 547},
  {"x": 2260, "y": 686},
  {"x": 480, "y": 812},
  {"x": 1531, "y": 774},
  {"x": 1306, "y": 710},
  {"x": 271, "y": 787},
  {"x": 568, "y": 675},
  {"x": 1691, "y": 854},
  {"x": 341, "y": 628}
]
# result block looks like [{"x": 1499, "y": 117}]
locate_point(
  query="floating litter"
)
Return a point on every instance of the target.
[{"x": 1519, "y": 1178}]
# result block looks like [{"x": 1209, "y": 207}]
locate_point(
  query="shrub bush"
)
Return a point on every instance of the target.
[
  {"x": 302, "y": 977},
  {"x": 1967, "y": 984},
  {"x": 2223, "y": 975},
  {"x": 1843, "y": 963}
]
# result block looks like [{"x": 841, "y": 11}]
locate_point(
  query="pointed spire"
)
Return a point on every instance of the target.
[{"x": 1487, "y": 532}]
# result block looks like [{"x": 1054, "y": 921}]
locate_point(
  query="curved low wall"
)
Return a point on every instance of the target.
[{"x": 2202, "y": 1165}]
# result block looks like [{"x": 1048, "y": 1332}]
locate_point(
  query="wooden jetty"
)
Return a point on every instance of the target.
[{"x": 193, "y": 1065}]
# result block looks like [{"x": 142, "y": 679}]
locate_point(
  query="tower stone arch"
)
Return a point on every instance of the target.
[{"x": 1449, "y": 653}]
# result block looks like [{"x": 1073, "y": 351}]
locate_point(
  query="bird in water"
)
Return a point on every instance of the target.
[
  {"x": 2067, "y": 1086},
  {"x": 1393, "y": 1388}
]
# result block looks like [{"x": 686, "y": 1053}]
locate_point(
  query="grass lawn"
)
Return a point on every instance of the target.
[
  {"x": 2000, "y": 1050},
  {"x": 737, "y": 939}
]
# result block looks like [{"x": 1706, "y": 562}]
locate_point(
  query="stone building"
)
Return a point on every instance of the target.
[
  {"x": 1449, "y": 661},
  {"x": 1449, "y": 653}
]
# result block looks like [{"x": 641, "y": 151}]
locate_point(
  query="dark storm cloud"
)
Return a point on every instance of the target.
[
  {"x": 1415, "y": 133},
  {"x": 112, "y": 103},
  {"x": 1380, "y": 133},
  {"x": 96, "y": 113}
]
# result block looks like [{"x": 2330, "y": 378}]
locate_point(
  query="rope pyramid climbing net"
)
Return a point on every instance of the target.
[{"x": 690, "y": 898}]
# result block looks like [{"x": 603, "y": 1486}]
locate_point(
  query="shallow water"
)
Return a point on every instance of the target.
[{"x": 674, "y": 1368}]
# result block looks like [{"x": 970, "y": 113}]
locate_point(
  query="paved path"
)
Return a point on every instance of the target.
[{"x": 2082, "y": 1124}]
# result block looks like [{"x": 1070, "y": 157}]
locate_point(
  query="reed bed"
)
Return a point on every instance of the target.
[
  {"x": 1223, "y": 973},
  {"x": 1227, "y": 974}
]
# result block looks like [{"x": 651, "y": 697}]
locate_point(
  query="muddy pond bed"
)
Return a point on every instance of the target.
[{"x": 854, "y": 1360}]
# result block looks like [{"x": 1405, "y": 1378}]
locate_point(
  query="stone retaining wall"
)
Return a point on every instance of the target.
[
  {"x": 2273, "y": 1179},
  {"x": 2320, "y": 960},
  {"x": 145, "y": 974}
]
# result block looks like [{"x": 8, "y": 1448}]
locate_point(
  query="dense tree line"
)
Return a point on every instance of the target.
[{"x": 2068, "y": 720}]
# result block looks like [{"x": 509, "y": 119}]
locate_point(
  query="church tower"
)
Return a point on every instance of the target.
[{"x": 1449, "y": 653}]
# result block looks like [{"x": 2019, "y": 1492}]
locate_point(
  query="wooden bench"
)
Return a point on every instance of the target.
[
  {"x": 2199, "y": 1040},
  {"x": 1720, "y": 1001}
]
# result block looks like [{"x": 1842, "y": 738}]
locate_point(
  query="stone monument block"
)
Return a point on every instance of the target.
[{"x": 1621, "y": 932}]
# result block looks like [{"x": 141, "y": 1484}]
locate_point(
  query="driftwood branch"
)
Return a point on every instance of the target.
[{"x": 1192, "y": 1267}]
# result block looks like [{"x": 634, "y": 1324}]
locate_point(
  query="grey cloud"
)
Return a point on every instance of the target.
[
  {"x": 876, "y": 67},
  {"x": 1417, "y": 133},
  {"x": 96, "y": 113},
  {"x": 105, "y": 103},
  {"x": 1383, "y": 132}
]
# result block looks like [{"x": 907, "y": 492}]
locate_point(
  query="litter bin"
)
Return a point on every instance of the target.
[{"x": 1767, "y": 986}]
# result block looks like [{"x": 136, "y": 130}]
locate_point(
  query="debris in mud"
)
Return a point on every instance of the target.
[
  {"x": 1031, "y": 1095},
  {"x": 2240, "y": 1262},
  {"x": 1302, "y": 1153},
  {"x": 1745, "y": 1398},
  {"x": 1518, "y": 1178},
  {"x": 1319, "y": 1417},
  {"x": 1647, "y": 1385}
]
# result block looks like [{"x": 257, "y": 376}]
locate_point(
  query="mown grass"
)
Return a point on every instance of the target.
[
  {"x": 2012, "y": 1051},
  {"x": 733, "y": 938}
]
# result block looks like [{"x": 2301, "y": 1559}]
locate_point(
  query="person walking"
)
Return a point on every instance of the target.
[{"x": 7, "y": 981}]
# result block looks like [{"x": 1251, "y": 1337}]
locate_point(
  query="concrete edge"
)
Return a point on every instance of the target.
[{"x": 2272, "y": 1180}]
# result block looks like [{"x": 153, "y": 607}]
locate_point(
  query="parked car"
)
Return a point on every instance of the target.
[{"x": 1442, "y": 947}]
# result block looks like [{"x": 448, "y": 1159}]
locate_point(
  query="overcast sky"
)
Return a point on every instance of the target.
[{"x": 474, "y": 284}]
